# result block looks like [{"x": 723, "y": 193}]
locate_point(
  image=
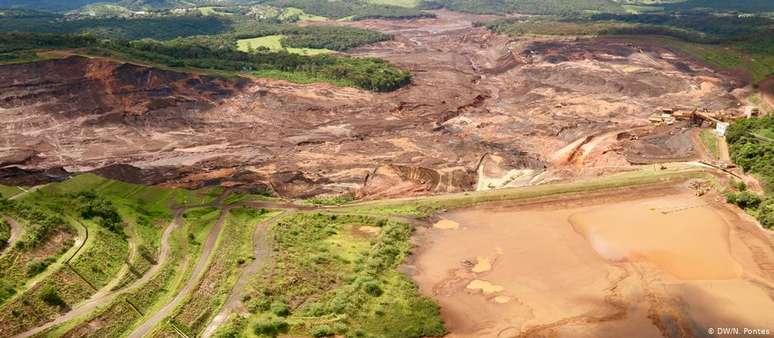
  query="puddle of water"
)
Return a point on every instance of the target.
[
  {"x": 446, "y": 224},
  {"x": 486, "y": 287},
  {"x": 689, "y": 244}
]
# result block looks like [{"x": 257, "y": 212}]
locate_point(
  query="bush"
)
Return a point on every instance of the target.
[
  {"x": 744, "y": 199},
  {"x": 322, "y": 331},
  {"x": 51, "y": 297},
  {"x": 270, "y": 326},
  {"x": 280, "y": 308},
  {"x": 38, "y": 266},
  {"x": 766, "y": 213},
  {"x": 373, "y": 288}
]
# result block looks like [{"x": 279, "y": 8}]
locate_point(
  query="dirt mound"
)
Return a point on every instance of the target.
[
  {"x": 294, "y": 184},
  {"x": 15, "y": 176},
  {"x": 77, "y": 86},
  {"x": 401, "y": 180},
  {"x": 663, "y": 144}
]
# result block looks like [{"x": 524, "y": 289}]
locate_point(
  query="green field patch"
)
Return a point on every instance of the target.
[
  {"x": 399, "y": 3},
  {"x": 8, "y": 192},
  {"x": 102, "y": 258},
  {"x": 292, "y": 13},
  {"x": 710, "y": 142},
  {"x": 274, "y": 43},
  {"x": 234, "y": 249},
  {"x": 327, "y": 277}
]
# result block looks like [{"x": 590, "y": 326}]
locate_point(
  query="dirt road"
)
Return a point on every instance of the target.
[
  {"x": 234, "y": 301},
  {"x": 106, "y": 295},
  {"x": 199, "y": 269},
  {"x": 16, "y": 230},
  {"x": 767, "y": 91}
]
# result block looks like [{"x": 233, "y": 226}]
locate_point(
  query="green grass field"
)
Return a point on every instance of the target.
[
  {"x": 725, "y": 57},
  {"x": 400, "y": 3},
  {"x": 710, "y": 142},
  {"x": 8, "y": 192},
  {"x": 274, "y": 43},
  {"x": 234, "y": 248},
  {"x": 302, "y": 16},
  {"x": 327, "y": 276}
]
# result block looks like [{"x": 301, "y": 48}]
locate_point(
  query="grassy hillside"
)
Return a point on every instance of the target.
[{"x": 337, "y": 274}]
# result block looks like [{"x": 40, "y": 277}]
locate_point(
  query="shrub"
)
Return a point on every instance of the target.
[
  {"x": 49, "y": 295},
  {"x": 270, "y": 326},
  {"x": 744, "y": 199},
  {"x": 373, "y": 288},
  {"x": 280, "y": 308},
  {"x": 38, "y": 266},
  {"x": 766, "y": 213},
  {"x": 322, "y": 331}
]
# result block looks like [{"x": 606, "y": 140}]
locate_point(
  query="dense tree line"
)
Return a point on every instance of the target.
[
  {"x": 752, "y": 149},
  {"x": 717, "y": 26},
  {"x": 547, "y": 7},
  {"x": 159, "y": 28},
  {"x": 322, "y": 37},
  {"x": 356, "y": 9},
  {"x": 751, "y": 6}
]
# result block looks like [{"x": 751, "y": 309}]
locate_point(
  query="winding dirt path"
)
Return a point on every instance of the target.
[
  {"x": 106, "y": 295},
  {"x": 16, "y": 231},
  {"x": 234, "y": 300},
  {"x": 196, "y": 275}
]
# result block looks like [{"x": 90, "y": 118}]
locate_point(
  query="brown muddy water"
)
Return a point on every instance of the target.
[{"x": 671, "y": 265}]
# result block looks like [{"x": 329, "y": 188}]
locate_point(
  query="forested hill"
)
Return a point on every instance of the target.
[{"x": 49, "y": 5}]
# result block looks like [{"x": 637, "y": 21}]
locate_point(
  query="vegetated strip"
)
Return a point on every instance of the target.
[
  {"x": 233, "y": 249},
  {"x": 197, "y": 273},
  {"x": 334, "y": 275}
]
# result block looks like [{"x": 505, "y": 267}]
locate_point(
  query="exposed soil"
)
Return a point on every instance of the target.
[
  {"x": 647, "y": 262},
  {"x": 474, "y": 94}
]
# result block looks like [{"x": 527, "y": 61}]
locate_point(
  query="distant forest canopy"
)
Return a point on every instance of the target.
[
  {"x": 355, "y": 9},
  {"x": 552, "y": 7},
  {"x": 575, "y": 7},
  {"x": 160, "y": 28}
]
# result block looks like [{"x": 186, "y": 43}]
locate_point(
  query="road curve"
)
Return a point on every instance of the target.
[
  {"x": 16, "y": 231},
  {"x": 105, "y": 295},
  {"x": 196, "y": 275},
  {"x": 234, "y": 300}
]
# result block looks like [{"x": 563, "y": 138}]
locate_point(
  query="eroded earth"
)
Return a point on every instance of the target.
[{"x": 483, "y": 111}]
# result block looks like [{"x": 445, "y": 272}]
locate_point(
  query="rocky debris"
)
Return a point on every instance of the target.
[
  {"x": 77, "y": 86},
  {"x": 472, "y": 93},
  {"x": 16, "y": 156},
  {"x": 402, "y": 180},
  {"x": 15, "y": 176},
  {"x": 294, "y": 184},
  {"x": 671, "y": 143}
]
